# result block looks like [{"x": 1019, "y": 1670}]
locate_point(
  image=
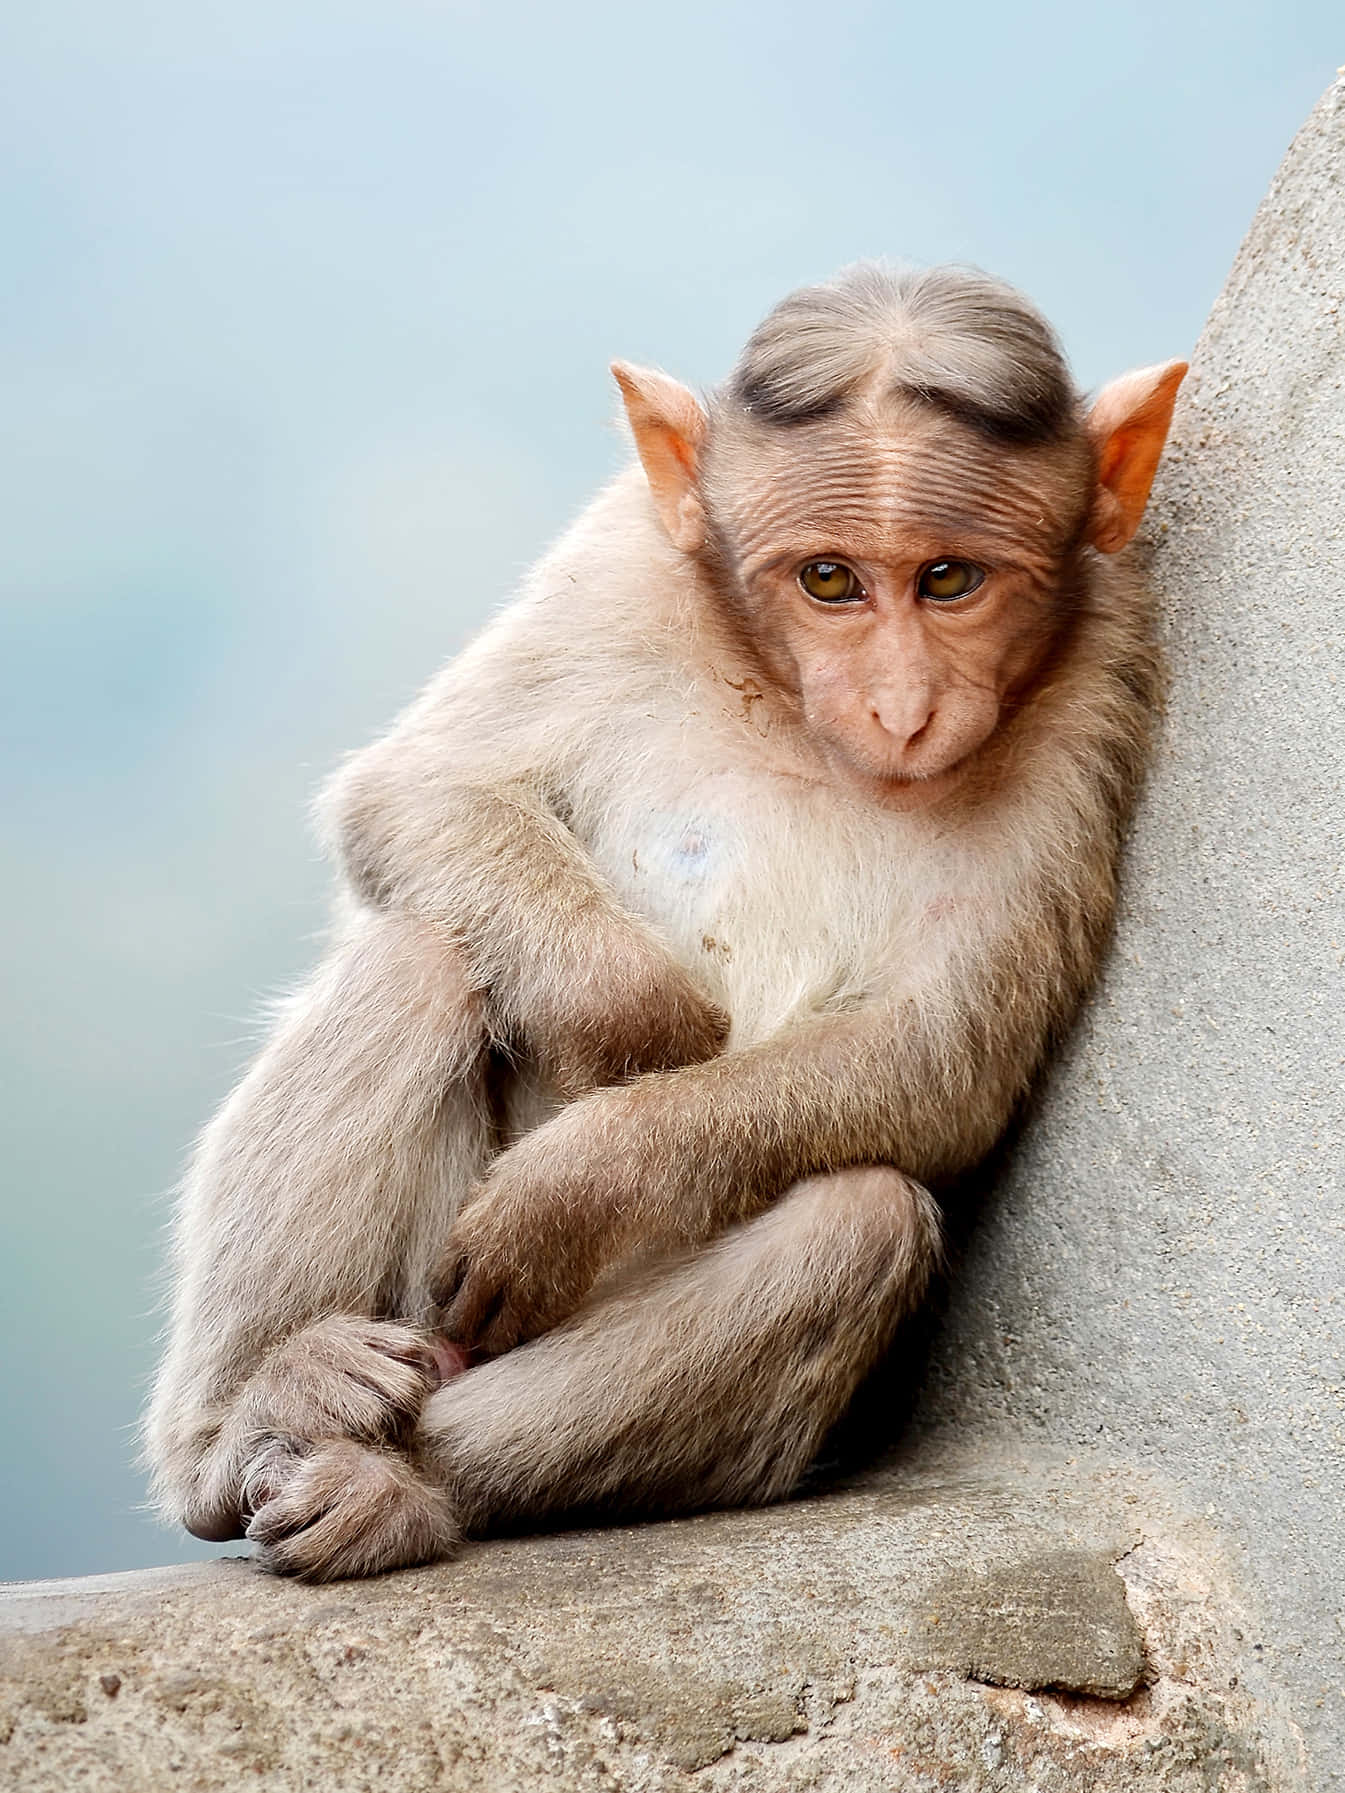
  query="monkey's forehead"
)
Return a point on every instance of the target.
[{"x": 895, "y": 486}]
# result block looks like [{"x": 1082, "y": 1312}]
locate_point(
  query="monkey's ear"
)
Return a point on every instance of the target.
[
  {"x": 1129, "y": 425},
  {"x": 669, "y": 428}
]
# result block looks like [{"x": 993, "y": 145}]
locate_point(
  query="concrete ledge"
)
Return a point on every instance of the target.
[{"x": 950, "y": 1623}]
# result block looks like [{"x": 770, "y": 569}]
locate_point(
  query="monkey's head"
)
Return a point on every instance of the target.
[{"x": 897, "y": 493}]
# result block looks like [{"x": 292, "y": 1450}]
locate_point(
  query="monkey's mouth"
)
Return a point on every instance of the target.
[{"x": 895, "y": 784}]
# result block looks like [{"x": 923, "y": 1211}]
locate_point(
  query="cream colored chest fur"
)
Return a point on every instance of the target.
[{"x": 780, "y": 897}]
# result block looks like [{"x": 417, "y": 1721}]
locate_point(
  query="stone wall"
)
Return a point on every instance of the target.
[{"x": 1160, "y": 1274}]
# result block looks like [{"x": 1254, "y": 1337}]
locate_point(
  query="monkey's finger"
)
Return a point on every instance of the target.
[
  {"x": 397, "y": 1367},
  {"x": 448, "y": 1283},
  {"x": 403, "y": 1344},
  {"x": 267, "y": 1475},
  {"x": 501, "y": 1330},
  {"x": 282, "y": 1517},
  {"x": 474, "y": 1311}
]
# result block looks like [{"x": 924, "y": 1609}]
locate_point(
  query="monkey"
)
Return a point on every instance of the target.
[{"x": 706, "y": 915}]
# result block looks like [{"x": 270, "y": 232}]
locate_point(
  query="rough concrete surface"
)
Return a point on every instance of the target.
[
  {"x": 1161, "y": 1271},
  {"x": 944, "y": 1624},
  {"x": 1156, "y": 1282}
]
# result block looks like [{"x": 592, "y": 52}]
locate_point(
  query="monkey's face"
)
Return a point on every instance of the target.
[{"x": 901, "y": 576}]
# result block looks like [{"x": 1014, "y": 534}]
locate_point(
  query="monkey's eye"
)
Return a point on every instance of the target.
[
  {"x": 944, "y": 580},
  {"x": 830, "y": 582}
]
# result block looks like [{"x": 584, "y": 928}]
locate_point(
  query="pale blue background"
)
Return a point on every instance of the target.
[{"x": 307, "y": 310}]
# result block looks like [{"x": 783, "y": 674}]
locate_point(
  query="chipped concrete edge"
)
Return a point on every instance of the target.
[{"x": 1014, "y": 1623}]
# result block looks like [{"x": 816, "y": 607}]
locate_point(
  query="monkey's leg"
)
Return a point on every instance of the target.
[
  {"x": 708, "y": 1382},
  {"x": 313, "y": 1215}
]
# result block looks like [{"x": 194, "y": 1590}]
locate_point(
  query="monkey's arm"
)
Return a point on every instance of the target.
[
  {"x": 710, "y": 1381},
  {"x": 672, "y": 1159},
  {"x": 579, "y": 981},
  {"x": 313, "y": 1214}
]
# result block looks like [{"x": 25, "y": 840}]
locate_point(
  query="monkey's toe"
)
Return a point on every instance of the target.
[{"x": 345, "y": 1509}]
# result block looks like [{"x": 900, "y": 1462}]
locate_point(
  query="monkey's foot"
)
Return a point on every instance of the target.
[
  {"x": 342, "y": 1377},
  {"x": 344, "y": 1509}
]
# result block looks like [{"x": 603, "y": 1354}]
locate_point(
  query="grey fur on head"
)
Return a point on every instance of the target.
[{"x": 951, "y": 337}]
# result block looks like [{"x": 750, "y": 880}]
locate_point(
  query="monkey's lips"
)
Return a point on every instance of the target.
[{"x": 888, "y": 784}]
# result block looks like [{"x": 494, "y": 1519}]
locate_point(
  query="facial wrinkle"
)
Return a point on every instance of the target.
[{"x": 898, "y": 501}]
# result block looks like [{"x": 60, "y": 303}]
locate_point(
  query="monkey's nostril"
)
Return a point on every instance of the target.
[{"x": 908, "y": 738}]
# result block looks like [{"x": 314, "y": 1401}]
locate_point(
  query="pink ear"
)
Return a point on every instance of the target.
[
  {"x": 669, "y": 428},
  {"x": 1129, "y": 425}
]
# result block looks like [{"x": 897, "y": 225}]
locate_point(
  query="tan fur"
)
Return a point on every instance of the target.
[
  {"x": 719, "y": 1373},
  {"x": 324, "y": 1187},
  {"x": 729, "y": 971},
  {"x": 337, "y": 1508}
]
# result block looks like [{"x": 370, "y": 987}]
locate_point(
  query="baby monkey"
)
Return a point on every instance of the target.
[{"x": 715, "y": 906}]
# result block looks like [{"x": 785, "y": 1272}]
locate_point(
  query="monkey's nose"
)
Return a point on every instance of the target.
[{"x": 905, "y": 724}]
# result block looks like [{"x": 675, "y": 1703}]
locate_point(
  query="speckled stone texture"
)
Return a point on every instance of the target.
[
  {"x": 1160, "y": 1274},
  {"x": 950, "y": 1623}
]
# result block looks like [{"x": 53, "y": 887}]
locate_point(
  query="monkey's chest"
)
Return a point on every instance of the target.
[{"x": 778, "y": 901}]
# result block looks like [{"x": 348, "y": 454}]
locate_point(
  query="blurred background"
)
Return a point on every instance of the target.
[{"x": 306, "y": 321}]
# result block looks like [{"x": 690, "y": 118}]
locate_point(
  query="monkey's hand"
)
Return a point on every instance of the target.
[
  {"x": 572, "y": 1198},
  {"x": 343, "y": 1377},
  {"x": 619, "y": 1004},
  {"x": 670, "y": 1161}
]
